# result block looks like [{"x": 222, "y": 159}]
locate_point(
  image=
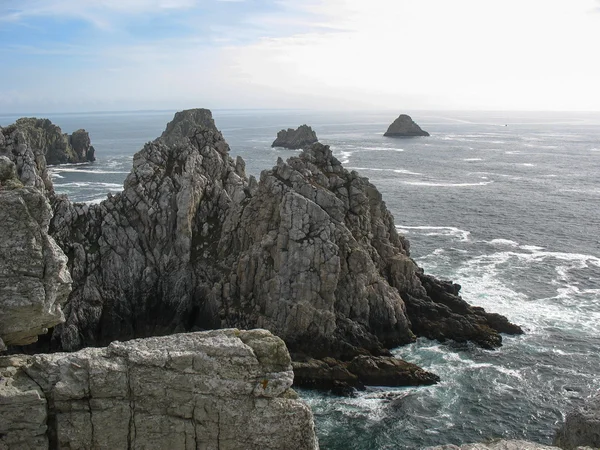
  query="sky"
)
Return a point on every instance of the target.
[{"x": 110, "y": 55}]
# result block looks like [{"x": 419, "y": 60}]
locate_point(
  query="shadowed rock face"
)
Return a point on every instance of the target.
[
  {"x": 404, "y": 126},
  {"x": 301, "y": 137},
  {"x": 34, "y": 280},
  {"x": 58, "y": 148},
  {"x": 225, "y": 389},
  {"x": 309, "y": 252}
]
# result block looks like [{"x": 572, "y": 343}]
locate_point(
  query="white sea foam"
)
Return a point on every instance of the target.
[
  {"x": 506, "y": 242},
  {"x": 472, "y": 159},
  {"x": 434, "y": 184},
  {"x": 571, "y": 308},
  {"x": 528, "y": 165},
  {"x": 55, "y": 175},
  {"x": 93, "y": 171},
  {"x": 95, "y": 201},
  {"x": 376, "y": 169},
  {"x": 84, "y": 184},
  {"x": 453, "y": 232}
]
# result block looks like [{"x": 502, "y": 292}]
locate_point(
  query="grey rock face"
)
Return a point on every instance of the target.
[
  {"x": 29, "y": 160},
  {"x": 46, "y": 138},
  {"x": 404, "y": 126},
  {"x": 581, "y": 427},
  {"x": 34, "y": 280},
  {"x": 225, "y": 389},
  {"x": 497, "y": 445},
  {"x": 309, "y": 252},
  {"x": 301, "y": 137}
]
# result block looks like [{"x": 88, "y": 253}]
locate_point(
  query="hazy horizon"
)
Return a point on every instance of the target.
[{"x": 466, "y": 55}]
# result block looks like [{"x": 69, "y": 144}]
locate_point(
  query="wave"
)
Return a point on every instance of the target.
[
  {"x": 375, "y": 169},
  {"x": 89, "y": 185},
  {"x": 95, "y": 201},
  {"x": 69, "y": 170},
  {"x": 433, "y": 184},
  {"x": 472, "y": 159},
  {"x": 453, "y": 232}
]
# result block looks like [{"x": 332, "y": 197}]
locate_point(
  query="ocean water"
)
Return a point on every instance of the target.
[{"x": 506, "y": 204}]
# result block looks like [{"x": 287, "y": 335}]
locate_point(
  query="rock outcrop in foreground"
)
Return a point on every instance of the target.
[
  {"x": 225, "y": 389},
  {"x": 301, "y": 137},
  {"x": 34, "y": 280},
  {"x": 404, "y": 126},
  {"x": 310, "y": 252},
  {"x": 581, "y": 427},
  {"x": 57, "y": 147}
]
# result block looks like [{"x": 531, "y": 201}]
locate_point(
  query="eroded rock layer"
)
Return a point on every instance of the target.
[{"x": 225, "y": 389}]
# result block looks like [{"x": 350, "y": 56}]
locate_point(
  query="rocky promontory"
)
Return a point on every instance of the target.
[
  {"x": 224, "y": 389},
  {"x": 404, "y": 126},
  {"x": 301, "y": 137},
  {"x": 57, "y": 147},
  {"x": 309, "y": 252}
]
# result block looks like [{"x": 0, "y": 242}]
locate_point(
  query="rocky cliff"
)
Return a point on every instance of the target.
[
  {"x": 225, "y": 389},
  {"x": 309, "y": 252},
  {"x": 57, "y": 147},
  {"x": 34, "y": 280},
  {"x": 404, "y": 126},
  {"x": 301, "y": 137},
  {"x": 581, "y": 427}
]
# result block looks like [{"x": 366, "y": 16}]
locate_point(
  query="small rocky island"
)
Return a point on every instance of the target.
[
  {"x": 301, "y": 137},
  {"x": 404, "y": 126}
]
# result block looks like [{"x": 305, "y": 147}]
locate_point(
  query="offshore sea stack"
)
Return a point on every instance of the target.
[
  {"x": 309, "y": 252},
  {"x": 404, "y": 126},
  {"x": 301, "y": 137},
  {"x": 223, "y": 389},
  {"x": 59, "y": 147}
]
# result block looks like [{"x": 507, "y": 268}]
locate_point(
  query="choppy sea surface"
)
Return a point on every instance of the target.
[{"x": 506, "y": 204}]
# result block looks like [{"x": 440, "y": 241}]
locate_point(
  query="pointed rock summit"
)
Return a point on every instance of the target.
[
  {"x": 301, "y": 137},
  {"x": 404, "y": 126}
]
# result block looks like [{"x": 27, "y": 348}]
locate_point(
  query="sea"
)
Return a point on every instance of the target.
[{"x": 507, "y": 204}]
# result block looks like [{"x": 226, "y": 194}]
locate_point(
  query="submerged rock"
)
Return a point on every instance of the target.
[
  {"x": 34, "y": 280},
  {"x": 581, "y": 427},
  {"x": 404, "y": 126},
  {"x": 225, "y": 389},
  {"x": 310, "y": 252},
  {"x": 301, "y": 137}
]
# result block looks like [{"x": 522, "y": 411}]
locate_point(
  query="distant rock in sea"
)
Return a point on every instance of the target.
[
  {"x": 301, "y": 137},
  {"x": 404, "y": 126},
  {"x": 57, "y": 147}
]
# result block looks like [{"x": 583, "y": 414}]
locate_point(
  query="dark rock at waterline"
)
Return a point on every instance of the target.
[
  {"x": 443, "y": 315},
  {"x": 301, "y": 137},
  {"x": 309, "y": 252},
  {"x": 341, "y": 376},
  {"x": 404, "y": 126},
  {"x": 57, "y": 147}
]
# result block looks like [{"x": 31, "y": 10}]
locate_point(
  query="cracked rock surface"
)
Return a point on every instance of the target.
[
  {"x": 224, "y": 389},
  {"x": 34, "y": 280}
]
